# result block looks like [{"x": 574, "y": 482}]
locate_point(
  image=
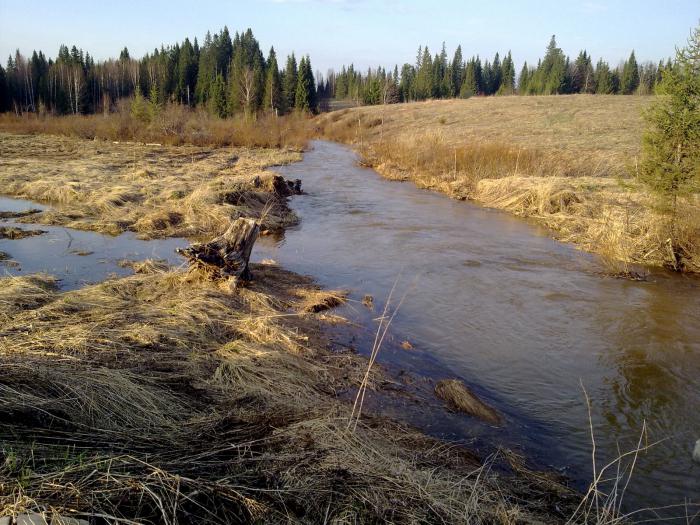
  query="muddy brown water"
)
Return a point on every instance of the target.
[
  {"x": 490, "y": 299},
  {"x": 76, "y": 257},
  {"x": 523, "y": 319}
]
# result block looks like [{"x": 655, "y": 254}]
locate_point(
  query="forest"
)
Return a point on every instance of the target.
[{"x": 229, "y": 75}]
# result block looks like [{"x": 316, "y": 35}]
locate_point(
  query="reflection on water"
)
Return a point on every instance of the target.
[
  {"x": 76, "y": 257},
  {"x": 521, "y": 317}
]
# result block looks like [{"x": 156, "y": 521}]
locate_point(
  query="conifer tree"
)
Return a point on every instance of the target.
[
  {"x": 457, "y": 72},
  {"x": 305, "y": 99},
  {"x": 507, "y": 76},
  {"x": 273, "y": 88},
  {"x": 582, "y": 75},
  {"x": 217, "y": 101},
  {"x": 524, "y": 80},
  {"x": 187, "y": 73},
  {"x": 496, "y": 75},
  {"x": 629, "y": 79},
  {"x": 603, "y": 79},
  {"x": 423, "y": 87},
  {"x": 206, "y": 70},
  {"x": 4, "y": 92},
  {"x": 486, "y": 79},
  {"x": 470, "y": 85},
  {"x": 671, "y": 146},
  {"x": 289, "y": 83},
  {"x": 407, "y": 83}
]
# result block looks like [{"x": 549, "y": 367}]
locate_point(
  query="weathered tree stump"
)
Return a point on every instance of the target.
[{"x": 227, "y": 255}]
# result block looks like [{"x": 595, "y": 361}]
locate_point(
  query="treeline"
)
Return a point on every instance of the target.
[
  {"x": 225, "y": 75},
  {"x": 438, "y": 77},
  {"x": 231, "y": 75}
]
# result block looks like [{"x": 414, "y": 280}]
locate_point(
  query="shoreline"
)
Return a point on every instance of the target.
[
  {"x": 199, "y": 378},
  {"x": 583, "y": 196}
]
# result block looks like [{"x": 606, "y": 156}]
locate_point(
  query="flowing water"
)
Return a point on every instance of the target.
[{"x": 523, "y": 319}]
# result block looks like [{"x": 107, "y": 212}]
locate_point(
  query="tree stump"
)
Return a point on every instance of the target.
[{"x": 227, "y": 255}]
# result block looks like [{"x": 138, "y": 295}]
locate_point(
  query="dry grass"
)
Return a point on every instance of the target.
[
  {"x": 163, "y": 398},
  {"x": 568, "y": 161},
  {"x": 173, "y": 125},
  {"x": 460, "y": 398},
  {"x": 13, "y": 232},
  {"x": 155, "y": 191}
]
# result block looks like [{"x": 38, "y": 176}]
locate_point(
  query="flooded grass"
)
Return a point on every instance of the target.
[{"x": 164, "y": 387}]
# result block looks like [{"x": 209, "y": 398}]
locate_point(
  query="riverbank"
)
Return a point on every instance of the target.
[
  {"x": 567, "y": 162},
  {"x": 163, "y": 396}
]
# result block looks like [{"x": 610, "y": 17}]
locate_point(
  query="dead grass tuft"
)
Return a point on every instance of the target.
[
  {"x": 460, "y": 398},
  {"x": 320, "y": 300}
]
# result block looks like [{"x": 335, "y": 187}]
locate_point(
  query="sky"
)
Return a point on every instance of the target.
[{"x": 368, "y": 33}]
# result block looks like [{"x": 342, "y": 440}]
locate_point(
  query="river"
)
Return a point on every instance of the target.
[{"x": 526, "y": 321}]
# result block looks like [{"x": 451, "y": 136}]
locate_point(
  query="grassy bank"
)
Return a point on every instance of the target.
[
  {"x": 164, "y": 397},
  {"x": 567, "y": 161},
  {"x": 154, "y": 191}
]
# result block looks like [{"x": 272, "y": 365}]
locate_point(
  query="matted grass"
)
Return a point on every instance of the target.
[
  {"x": 163, "y": 398},
  {"x": 155, "y": 191}
]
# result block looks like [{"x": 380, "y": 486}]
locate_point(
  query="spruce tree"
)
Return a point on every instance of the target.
[
  {"x": 629, "y": 80},
  {"x": 4, "y": 92},
  {"x": 470, "y": 85},
  {"x": 671, "y": 145},
  {"x": 582, "y": 74},
  {"x": 457, "y": 72},
  {"x": 289, "y": 83},
  {"x": 305, "y": 99},
  {"x": 273, "y": 89},
  {"x": 604, "y": 84},
  {"x": 524, "y": 80},
  {"x": 508, "y": 76},
  {"x": 496, "y": 75},
  {"x": 217, "y": 101},
  {"x": 424, "y": 76},
  {"x": 486, "y": 79}
]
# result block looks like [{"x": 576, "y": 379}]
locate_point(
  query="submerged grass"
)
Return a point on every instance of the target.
[{"x": 569, "y": 162}]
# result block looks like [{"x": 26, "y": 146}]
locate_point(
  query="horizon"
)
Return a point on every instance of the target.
[{"x": 390, "y": 33}]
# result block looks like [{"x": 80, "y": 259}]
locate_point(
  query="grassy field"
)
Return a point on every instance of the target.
[
  {"x": 567, "y": 161},
  {"x": 164, "y": 397}
]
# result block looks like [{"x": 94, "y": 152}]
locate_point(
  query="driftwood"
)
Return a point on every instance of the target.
[{"x": 227, "y": 255}]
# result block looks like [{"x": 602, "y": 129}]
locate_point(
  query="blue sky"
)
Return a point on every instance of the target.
[{"x": 366, "y": 32}]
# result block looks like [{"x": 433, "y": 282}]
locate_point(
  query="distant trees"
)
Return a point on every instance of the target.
[
  {"x": 629, "y": 81},
  {"x": 225, "y": 75},
  {"x": 230, "y": 75},
  {"x": 433, "y": 76}
]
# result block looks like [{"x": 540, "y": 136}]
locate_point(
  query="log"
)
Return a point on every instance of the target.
[{"x": 227, "y": 255}]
